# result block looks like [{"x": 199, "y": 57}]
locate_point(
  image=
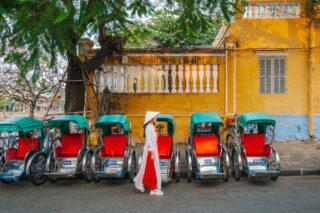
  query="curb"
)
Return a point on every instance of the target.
[
  {"x": 300, "y": 172},
  {"x": 285, "y": 172}
]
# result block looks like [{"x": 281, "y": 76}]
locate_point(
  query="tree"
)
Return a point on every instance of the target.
[
  {"x": 162, "y": 30},
  {"x": 27, "y": 88},
  {"x": 50, "y": 27}
]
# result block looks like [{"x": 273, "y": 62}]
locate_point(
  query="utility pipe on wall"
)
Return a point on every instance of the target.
[{"x": 226, "y": 83}]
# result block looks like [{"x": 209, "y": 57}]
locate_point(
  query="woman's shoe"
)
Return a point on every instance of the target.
[
  {"x": 141, "y": 189},
  {"x": 156, "y": 192}
]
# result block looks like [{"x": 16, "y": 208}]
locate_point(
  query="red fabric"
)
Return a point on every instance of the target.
[
  {"x": 267, "y": 150},
  {"x": 229, "y": 121},
  {"x": 115, "y": 145},
  {"x": 164, "y": 146},
  {"x": 254, "y": 144},
  {"x": 150, "y": 176},
  {"x": 11, "y": 154},
  {"x": 206, "y": 145},
  {"x": 25, "y": 145},
  {"x": 71, "y": 144}
]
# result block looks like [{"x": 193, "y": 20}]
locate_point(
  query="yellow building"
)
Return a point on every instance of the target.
[{"x": 269, "y": 56}]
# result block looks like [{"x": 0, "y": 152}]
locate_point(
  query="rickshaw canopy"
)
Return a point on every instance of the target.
[
  {"x": 256, "y": 117},
  {"x": 170, "y": 121},
  {"x": 107, "y": 120},
  {"x": 60, "y": 121},
  {"x": 21, "y": 124},
  {"x": 205, "y": 117}
]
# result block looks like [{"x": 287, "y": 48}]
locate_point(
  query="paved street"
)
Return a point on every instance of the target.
[{"x": 288, "y": 194}]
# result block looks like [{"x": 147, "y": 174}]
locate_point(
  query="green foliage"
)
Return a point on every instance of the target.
[
  {"x": 163, "y": 30},
  {"x": 33, "y": 30}
]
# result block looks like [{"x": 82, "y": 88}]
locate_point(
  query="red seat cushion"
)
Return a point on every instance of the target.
[
  {"x": 71, "y": 144},
  {"x": 11, "y": 154},
  {"x": 25, "y": 145},
  {"x": 164, "y": 146},
  {"x": 115, "y": 145},
  {"x": 206, "y": 145},
  {"x": 254, "y": 144}
]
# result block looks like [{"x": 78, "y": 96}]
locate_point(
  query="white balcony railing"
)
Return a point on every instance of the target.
[{"x": 174, "y": 78}]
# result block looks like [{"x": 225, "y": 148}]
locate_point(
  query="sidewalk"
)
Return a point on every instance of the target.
[{"x": 297, "y": 157}]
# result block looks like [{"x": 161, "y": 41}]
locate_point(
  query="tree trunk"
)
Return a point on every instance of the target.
[
  {"x": 32, "y": 106},
  {"x": 75, "y": 89}
]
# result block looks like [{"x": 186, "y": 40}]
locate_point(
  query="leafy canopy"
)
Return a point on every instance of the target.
[{"x": 36, "y": 30}]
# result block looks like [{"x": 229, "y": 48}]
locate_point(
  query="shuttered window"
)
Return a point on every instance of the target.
[{"x": 273, "y": 75}]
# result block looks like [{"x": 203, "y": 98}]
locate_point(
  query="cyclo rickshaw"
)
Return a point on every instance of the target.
[
  {"x": 250, "y": 146},
  {"x": 115, "y": 157},
  {"x": 68, "y": 143},
  {"x": 206, "y": 156},
  {"x": 23, "y": 155},
  {"x": 168, "y": 156}
]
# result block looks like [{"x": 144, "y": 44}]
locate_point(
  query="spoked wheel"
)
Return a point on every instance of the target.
[
  {"x": 132, "y": 172},
  {"x": 88, "y": 173},
  {"x": 224, "y": 167},
  {"x": 189, "y": 165},
  {"x": 274, "y": 165},
  {"x": 236, "y": 165},
  {"x": 37, "y": 169},
  {"x": 53, "y": 167},
  {"x": 97, "y": 167}
]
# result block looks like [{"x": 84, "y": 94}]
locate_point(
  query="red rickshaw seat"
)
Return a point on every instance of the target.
[
  {"x": 25, "y": 145},
  {"x": 11, "y": 154},
  {"x": 254, "y": 144},
  {"x": 164, "y": 146},
  {"x": 114, "y": 146},
  {"x": 70, "y": 145},
  {"x": 206, "y": 145}
]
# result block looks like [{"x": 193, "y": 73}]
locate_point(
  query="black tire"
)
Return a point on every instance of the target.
[
  {"x": 236, "y": 166},
  {"x": 133, "y": 168},
  {"x": 189, "y": 173},
  {"x": 53, "y": 180},
  {"x": 177, "y": 174},
  {"x": 37, "y": 170},
  {"x": 274, "y": 178},
  {"x": 6, "y": 181},
  {"x": 224, "y": 167},
  {"x": 88, "y": 173}
]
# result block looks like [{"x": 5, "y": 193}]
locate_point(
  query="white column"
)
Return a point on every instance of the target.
[
  {"x": 122, "y": 79},
  {"x": 208, "y": 71},
  {"x": 116, "y": 79},
  {"x": 126, "y": 78},
  {"x": 146, "y": 78},
  {"x": 153, "y": 73},
  {"x": 166, "y": 77},
  {"x": 132, "y": 72},
  {"x": 215, "y": 78},
  {"x": 138, "y": 76},
  {"x": 159, "y": 74},
  {"x": 194, "y": 78},
  {"x": 201, "y": 74},
  {"x": 180, "y": 77},
  {"x": 187, "y": 78},
  {"x": 173, "y": 77}
]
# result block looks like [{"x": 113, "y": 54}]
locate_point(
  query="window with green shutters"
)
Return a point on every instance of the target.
[{"x": 273, "y": 75}]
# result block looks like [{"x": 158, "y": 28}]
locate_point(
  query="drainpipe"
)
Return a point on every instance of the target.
[
  {"x": 226, "y": 84},
  {"x": 310, "y": 79},
  {"x": 231, "y": 45},
  {"x": 234, "y": 78}
]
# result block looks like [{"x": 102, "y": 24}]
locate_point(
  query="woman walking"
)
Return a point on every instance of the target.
[{"x": 149, "y": 173}]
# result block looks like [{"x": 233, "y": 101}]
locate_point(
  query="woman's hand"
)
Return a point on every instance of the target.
[{"x": 152, "y": 156}]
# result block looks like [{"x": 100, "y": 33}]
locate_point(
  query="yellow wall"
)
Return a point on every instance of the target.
[{"x": 254, "y": 35}]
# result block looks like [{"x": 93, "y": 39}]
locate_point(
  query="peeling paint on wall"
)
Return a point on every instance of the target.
[{"x": 294, "y": 127}]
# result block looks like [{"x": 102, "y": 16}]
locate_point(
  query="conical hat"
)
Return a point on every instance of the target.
[{"x": 149, "y": 116}]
